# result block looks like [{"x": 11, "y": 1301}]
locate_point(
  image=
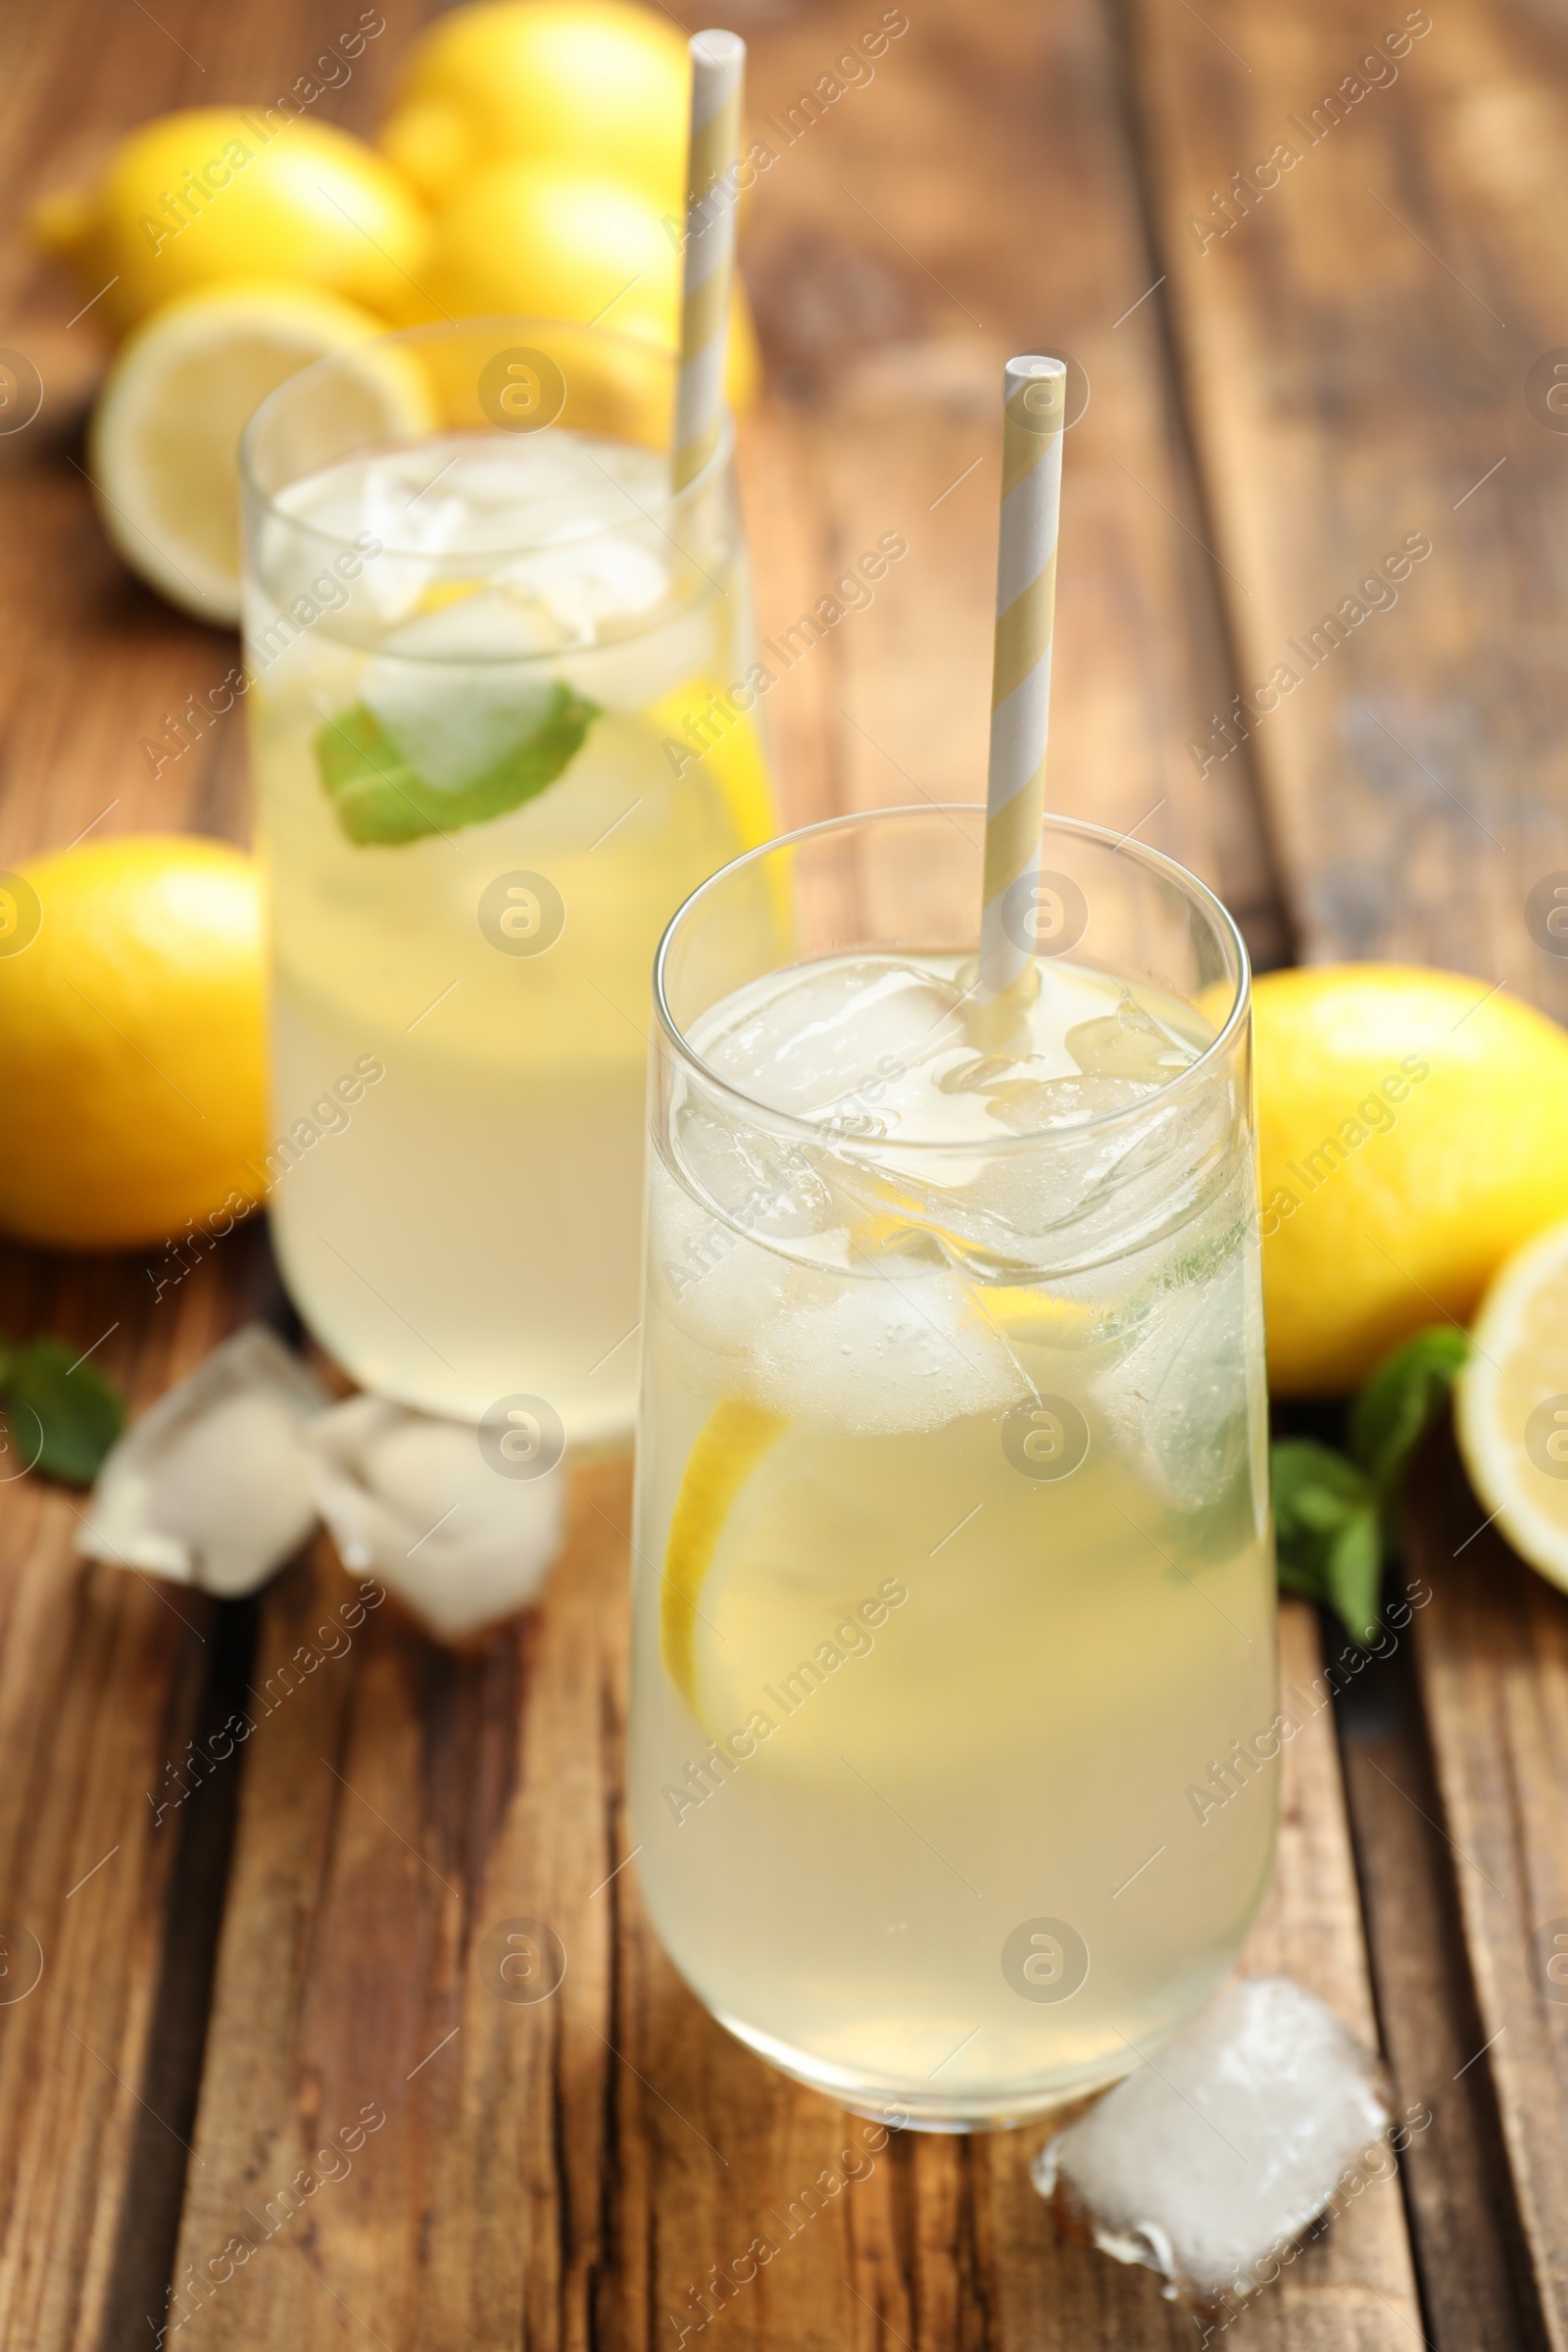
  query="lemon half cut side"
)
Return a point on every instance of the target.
[
  {"x": 164, "y": 441},
  {"x": 1511, "y": 1403}
]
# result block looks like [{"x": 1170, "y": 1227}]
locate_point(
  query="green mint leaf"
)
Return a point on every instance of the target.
[
  {"x": 1323, "y": 1505},
  {"x": 1314, "y": 1484},
  {"x": 1353, "y": 1574},
  {"x": 378, "y": 797},
  {"x": 67, "y": 1418},
  {"x": 1395, "y": 1408},
  {"x": 1307, "y": 1579}
]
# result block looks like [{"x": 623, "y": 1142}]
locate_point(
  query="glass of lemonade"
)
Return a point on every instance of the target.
[
  {"x": 500, "y": 729},
  {"x": 953, "y": 1575}
]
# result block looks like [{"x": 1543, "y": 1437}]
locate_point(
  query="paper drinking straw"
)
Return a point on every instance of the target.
[
  {"x": 718, "y": 70},
  {"x": 1033, "y": 407}
]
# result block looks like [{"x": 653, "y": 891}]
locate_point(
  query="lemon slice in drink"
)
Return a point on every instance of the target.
[
  {"x": 734, "y": 758},
  {"x": 1027, "y": 1317},
  {"x": 844, "y": 1585},
  {"x": 164, "y": 441},
  {"x": 770, "y": 1545},
  {"x": 729, "y": 1444},
  {"x": 1512, "y": 1404}
]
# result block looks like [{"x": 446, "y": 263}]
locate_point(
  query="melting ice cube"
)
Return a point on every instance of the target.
[
  {"x": 1032, "y": 1106},
  {"x": 838, "y": 1042},
  {"x": 1177, "y": 1400},
  {"x": 882, "y": 1354},
  {"x": 1129, "y": 1043},
  {"x": 210, "y": 1487},
  {"x": 413, "y": 1499},
  {"x": 1226, "y": 2150}
]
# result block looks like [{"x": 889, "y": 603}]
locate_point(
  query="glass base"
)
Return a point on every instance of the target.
[{"x": 921, "y": 2109}]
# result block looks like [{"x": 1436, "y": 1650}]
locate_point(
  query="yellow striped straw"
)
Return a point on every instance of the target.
[
  {"x": 1035, "y": 400},
  {"x": 718, "y": 70}
]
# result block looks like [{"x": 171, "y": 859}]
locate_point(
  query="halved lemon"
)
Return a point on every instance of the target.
[
  {"x": 165, "y": 440},
  {"x": 1512, "y": 1404}
]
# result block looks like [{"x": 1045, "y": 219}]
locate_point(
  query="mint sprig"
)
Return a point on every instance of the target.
[
  {"x": 379, "y": 797},
  {"x": 62, "y": 1415},
  {"x": 1336, "y": 1515}
]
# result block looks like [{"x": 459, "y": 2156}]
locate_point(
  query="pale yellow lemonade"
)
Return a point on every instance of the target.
[
  {"x": 953, "y": 1572},
  {"x": 481, "y": 797}
]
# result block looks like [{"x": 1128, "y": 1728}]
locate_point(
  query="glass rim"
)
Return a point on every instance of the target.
[
  {"x": 445, "y": 330},
  {"x": 1155, "y": 861}
]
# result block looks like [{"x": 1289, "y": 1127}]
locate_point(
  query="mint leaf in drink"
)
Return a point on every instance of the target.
[
  {"x": 379, "y": 797},
  {"x": 59, "y": 1409},
  {"x": 1407, "y": 1389}
]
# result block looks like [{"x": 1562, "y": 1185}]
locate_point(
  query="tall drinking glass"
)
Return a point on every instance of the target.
[
  {"x": 497, "y": 735},
  {"x": 953, "y": 1571}
]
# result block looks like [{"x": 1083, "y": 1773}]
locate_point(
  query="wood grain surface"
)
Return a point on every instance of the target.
[
  {"x": 1264, "y": 418},
  {"x": 1357, "y": 345},
  {"x": 1355, "y": 351}
]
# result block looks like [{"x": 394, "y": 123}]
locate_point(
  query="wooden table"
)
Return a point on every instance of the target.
[{"x": 294, "y": 1948}]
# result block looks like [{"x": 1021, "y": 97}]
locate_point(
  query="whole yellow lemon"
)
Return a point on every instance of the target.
[
  {"x": 132, "y": 1060},
  {"x": 601, "y": 84},
  {"x": 1413, "y": 1131},
  {"x": 229, "y": 192},
  {"x": 544, "y": 240}
]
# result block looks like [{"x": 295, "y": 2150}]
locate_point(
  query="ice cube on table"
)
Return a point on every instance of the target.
[
  {"x": 413, "y": 1499},
  {"x": 209, "y": 1487},
  {"x": 1219, "y": 2154}
]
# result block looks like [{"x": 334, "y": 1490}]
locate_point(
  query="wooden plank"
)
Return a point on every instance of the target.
[
  {"x": 578, "y": 2170},
  {"x": 1357, "y": 345},
  {"x": 102, "y": 1680},
  {"x": 1353, "y": 381},
  {"x": 1352, "y": 2288},
  {"x": 1493, "y": 1670},
  {"x": 1475, "y": 2271},
  {"x": 399, "y": 1806},
  {"x": 104, "y": 1676},
  {"x": 894, "y": 266}
]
